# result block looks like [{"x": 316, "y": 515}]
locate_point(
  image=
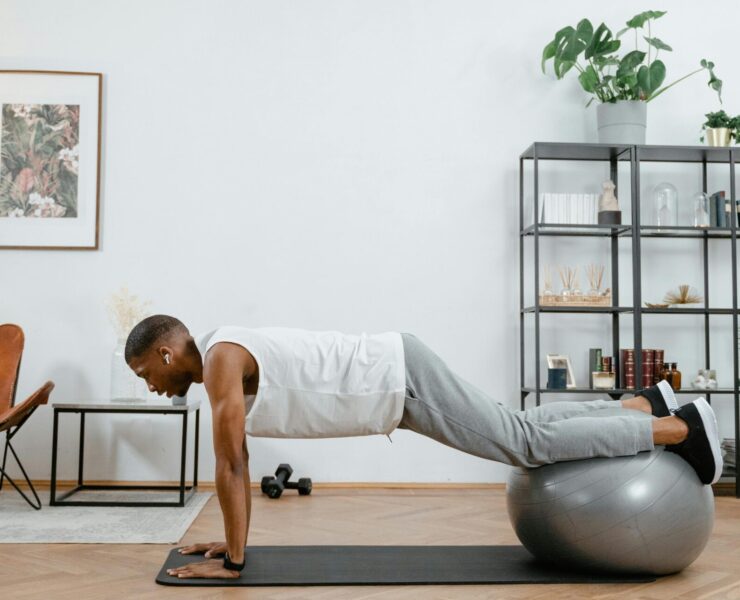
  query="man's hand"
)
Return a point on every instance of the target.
[
  {"x": 209, "y": 549},
  {"x": 208, "y": 569}
]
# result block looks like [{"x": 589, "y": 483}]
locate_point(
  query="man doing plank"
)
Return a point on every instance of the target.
[{"x": 281, "y": 382}]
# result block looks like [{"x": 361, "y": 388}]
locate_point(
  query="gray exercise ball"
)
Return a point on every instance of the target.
[{"x": 647, "y": 513}]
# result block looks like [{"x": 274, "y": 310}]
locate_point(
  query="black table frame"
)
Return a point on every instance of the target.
[{"x": 186, "y": 491}]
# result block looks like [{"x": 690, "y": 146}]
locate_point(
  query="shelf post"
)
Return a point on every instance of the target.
[
  {"x": 735, "y": 373},
  {"x": 636, "y": 266},
  {"x": 536, "y": 230},
  {"x": 522, "y": 364}
]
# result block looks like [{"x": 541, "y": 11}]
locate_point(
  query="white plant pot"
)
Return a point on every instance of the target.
[{"x": 622, "y": 122}]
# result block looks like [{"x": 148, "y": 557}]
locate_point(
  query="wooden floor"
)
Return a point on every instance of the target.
[{"x": 349, "y": 516}]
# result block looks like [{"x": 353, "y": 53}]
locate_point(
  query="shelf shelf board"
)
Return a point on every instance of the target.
[
  {"x": 576, "y": 390},
  {"x": 646, "y": 231},
  {"x": 646, "y": 153},
  {"x": 577, "y": 230},
  {"x": 579, "y": 309},
  {"x": 568, "y": 151},
  {"x": 688, "y": 311},
  {"x": 682, "y": 231},
  {"x": 581, "y": 390},
  {"x": 687, "y": 154}
]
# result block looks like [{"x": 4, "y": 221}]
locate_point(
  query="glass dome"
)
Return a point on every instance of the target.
[{"x": 665, "y": 203}]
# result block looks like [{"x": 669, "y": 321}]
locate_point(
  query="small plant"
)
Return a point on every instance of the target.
[
  {"x": 722, "y": 119},
  {"x": 638, "y": 75}
]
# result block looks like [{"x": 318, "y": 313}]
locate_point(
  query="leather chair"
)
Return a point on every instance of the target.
[{"x": 13, "y": 416}]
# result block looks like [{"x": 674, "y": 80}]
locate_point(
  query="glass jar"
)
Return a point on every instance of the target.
[
  {"x": 125, "y": 386},
  {"x": 701, "y": 210},
  {"x": 665, "y": 203}
]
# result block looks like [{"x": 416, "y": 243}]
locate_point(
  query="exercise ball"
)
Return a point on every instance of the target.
[{"x": 647, "y": 513}]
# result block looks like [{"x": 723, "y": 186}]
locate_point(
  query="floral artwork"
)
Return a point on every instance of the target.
[{"x": 39, "y": 160}]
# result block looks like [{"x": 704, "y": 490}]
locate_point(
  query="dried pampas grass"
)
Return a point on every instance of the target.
[
  {"x": 685, "y": 294},
  {"x": 125, "y": 310}
]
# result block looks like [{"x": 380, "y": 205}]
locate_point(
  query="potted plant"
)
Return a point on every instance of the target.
[
  {"x": 720, "y": 128},
  {"x": 623, "y": 85}
]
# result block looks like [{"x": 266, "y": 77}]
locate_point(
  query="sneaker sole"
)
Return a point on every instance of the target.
[
  {"x": 668, "y": 396},
  {"x": 709, "y": 421}
]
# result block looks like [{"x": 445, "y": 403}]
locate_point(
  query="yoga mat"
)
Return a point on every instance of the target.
[{"x": 390, "y": 565}]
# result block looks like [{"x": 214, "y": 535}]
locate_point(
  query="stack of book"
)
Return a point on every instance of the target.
[
  {"x": 720, "y": 210},
  {"x": 569, "y": 209},
  {"x": 728, "y": 449}
]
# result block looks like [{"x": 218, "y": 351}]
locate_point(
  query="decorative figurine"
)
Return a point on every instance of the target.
[{"x": 609, "y": 213}]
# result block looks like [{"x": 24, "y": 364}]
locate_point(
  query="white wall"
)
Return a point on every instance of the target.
[{"x": 343, "y": 165}]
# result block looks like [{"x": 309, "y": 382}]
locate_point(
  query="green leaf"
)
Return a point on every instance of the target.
[
  {"x": 601, "y": 43},
  {"x": 650, "y": 78},
  {"x": 659, "y": 44},
  {"x": 621, "y": 32},
  {"x": 629, "y": 63},
  {"x": 589, "y": 79},
  {"x": 639, "y": 20},
  {"x": 605, "y": 61},
  {"x": 548, "y": 53},
  {"x": 714, "y": 82}
]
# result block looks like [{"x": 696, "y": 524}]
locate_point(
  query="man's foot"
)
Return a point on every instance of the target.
[
  {"x": 701, "y": 448},
  {"x": 662, "y": 399}
]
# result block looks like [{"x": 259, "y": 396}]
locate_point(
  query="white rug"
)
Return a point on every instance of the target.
[{"x": 21, "y": 524}]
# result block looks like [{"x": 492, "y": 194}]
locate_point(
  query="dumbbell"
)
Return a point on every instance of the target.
[{"x": 274, "y": 486}]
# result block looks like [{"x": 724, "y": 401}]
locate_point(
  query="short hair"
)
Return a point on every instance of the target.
[{"x": 148, "y": 332}]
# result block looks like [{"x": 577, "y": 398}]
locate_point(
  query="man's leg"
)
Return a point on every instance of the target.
[{"x": 446, "y": 408}]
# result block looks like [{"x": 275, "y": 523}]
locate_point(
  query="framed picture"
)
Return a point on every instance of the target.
[
  {"x": 562, "y": 361},
  {"x": 49, "y": 159}
]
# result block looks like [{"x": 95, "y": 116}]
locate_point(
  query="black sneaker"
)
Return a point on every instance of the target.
[
  {"x": 661, "y": 398},
  {"x": 701, "y": 448}
]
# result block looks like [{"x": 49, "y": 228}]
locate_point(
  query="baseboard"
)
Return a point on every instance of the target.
[
  {"x": 210, "y": 486},
  {"x": 720, "y": 489}
]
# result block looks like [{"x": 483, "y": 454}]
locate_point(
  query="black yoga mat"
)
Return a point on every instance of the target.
[{"x": 391, "y": 565}]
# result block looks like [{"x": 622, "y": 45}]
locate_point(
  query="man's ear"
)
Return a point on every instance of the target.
[{"x": 167, "y": 354}]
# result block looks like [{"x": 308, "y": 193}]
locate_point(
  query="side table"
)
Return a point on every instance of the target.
[{"x": 83, "y": 408}]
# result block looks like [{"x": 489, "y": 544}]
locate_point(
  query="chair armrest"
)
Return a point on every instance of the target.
[{"x": 17, "y": 413}]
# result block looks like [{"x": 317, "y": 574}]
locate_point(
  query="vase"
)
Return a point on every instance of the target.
[
  {"x": 623, "y": 122},
  {"x": 718, "y": 136},
  {"x": 125, "y": 386}
]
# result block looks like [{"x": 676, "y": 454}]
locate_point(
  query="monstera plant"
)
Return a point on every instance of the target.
[{"x": 622, "y": 82}]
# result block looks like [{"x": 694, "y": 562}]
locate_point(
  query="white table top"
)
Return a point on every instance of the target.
[{"x": 157, "y": 404}]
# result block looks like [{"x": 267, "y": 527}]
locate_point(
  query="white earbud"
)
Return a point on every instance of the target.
[{"x": 167, "y": 358}]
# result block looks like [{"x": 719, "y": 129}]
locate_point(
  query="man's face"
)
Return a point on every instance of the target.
[{"x": 163, "y": 372}]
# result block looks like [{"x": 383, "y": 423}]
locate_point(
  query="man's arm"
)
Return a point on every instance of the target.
[{"x": 225, "y": 368}]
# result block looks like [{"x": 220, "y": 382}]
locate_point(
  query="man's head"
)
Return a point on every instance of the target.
[{"x": 161, "y": 350}]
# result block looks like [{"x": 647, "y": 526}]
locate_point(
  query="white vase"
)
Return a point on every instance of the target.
[
  {"x": 125, "y": 386},
  {"x": 622, "y": 122}
]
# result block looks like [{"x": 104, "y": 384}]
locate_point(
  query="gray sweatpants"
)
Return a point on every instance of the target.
[{"x": 441, "y": 405}]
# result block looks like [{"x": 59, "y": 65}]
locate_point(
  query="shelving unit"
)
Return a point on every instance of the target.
[{"x": 631, "y": 157}]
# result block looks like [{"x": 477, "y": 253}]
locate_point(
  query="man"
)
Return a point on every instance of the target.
[{"x": 279, "y": 382}]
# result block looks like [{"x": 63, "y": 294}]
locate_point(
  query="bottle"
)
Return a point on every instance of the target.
[
  {"x": 666, "y": 373},
  {"x": 675, "y": 377}
]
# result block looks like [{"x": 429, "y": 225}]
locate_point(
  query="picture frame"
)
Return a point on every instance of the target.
[
  {"x": 50, "y": 150},
  {"x": 559, "y": 361}
]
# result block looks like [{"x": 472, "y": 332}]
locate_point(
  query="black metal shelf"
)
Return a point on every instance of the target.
[
  {"x": 621, "y": 152},
  {"x": 688, "y": 311},
  {"x": 651, "y": 231},
  {"x": 576, "y": 230},
  {"x": 628, "y": 157},
  {"x": 579, "y": 309},
  {"x": 580, "y": 390},
  {"x": 629, "y": 309}
]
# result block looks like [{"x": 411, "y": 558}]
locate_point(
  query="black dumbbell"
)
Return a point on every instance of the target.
[{"x": 274, "y": 486}]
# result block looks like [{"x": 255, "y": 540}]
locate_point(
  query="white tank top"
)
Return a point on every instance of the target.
[{"x": 318, "y": 384}]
